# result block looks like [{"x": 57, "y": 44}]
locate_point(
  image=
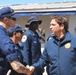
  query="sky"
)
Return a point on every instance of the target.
[{"x": 13, "y": 2}]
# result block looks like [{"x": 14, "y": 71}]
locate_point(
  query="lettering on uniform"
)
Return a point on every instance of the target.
[
  {"x": 67, "y": 45},
  {"x": 35, "y": 42},
  {"x": 24, "y": 38}
]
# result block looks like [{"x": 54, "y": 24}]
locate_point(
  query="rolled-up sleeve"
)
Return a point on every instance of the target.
[{"x": 9, "y": 49}]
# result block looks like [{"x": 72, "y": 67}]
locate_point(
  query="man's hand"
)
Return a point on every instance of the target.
[
  {"x": 31, "y": 69},
  {"x": 20, "y": 68}
]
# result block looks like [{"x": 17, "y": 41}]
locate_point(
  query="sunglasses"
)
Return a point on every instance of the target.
[{"x": 14, "y": 19}]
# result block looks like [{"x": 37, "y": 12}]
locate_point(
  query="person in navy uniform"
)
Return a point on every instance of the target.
[
  {"x": 31, "y": 43},
  {"x": 60, "y": 49},
  {"x": 16, "y": 34},
  {"x": 8, "y": 54}
]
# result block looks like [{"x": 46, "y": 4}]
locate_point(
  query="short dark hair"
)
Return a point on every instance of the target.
[{"x": 61, "y": 20}]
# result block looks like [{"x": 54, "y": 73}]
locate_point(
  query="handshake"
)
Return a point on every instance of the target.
[{"x": 30, "y": 69}]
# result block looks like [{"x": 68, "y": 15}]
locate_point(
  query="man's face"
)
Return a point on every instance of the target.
[
  {"x": 55, "y": 28},
  {"x": 19, "y": 35},
  {"x": 35, "y": 25},
  {"x": 11, "y": 21}
]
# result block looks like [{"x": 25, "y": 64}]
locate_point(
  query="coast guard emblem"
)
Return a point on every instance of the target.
[{"x": 24, "y": 38}]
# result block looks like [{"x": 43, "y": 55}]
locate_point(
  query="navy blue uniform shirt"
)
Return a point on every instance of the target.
[
  {"x": 20, "y": 58},
  {"x": 7, "y": 51},
  {"x": 60, "y": 55},
  {"x": 31, "y": 49}
]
